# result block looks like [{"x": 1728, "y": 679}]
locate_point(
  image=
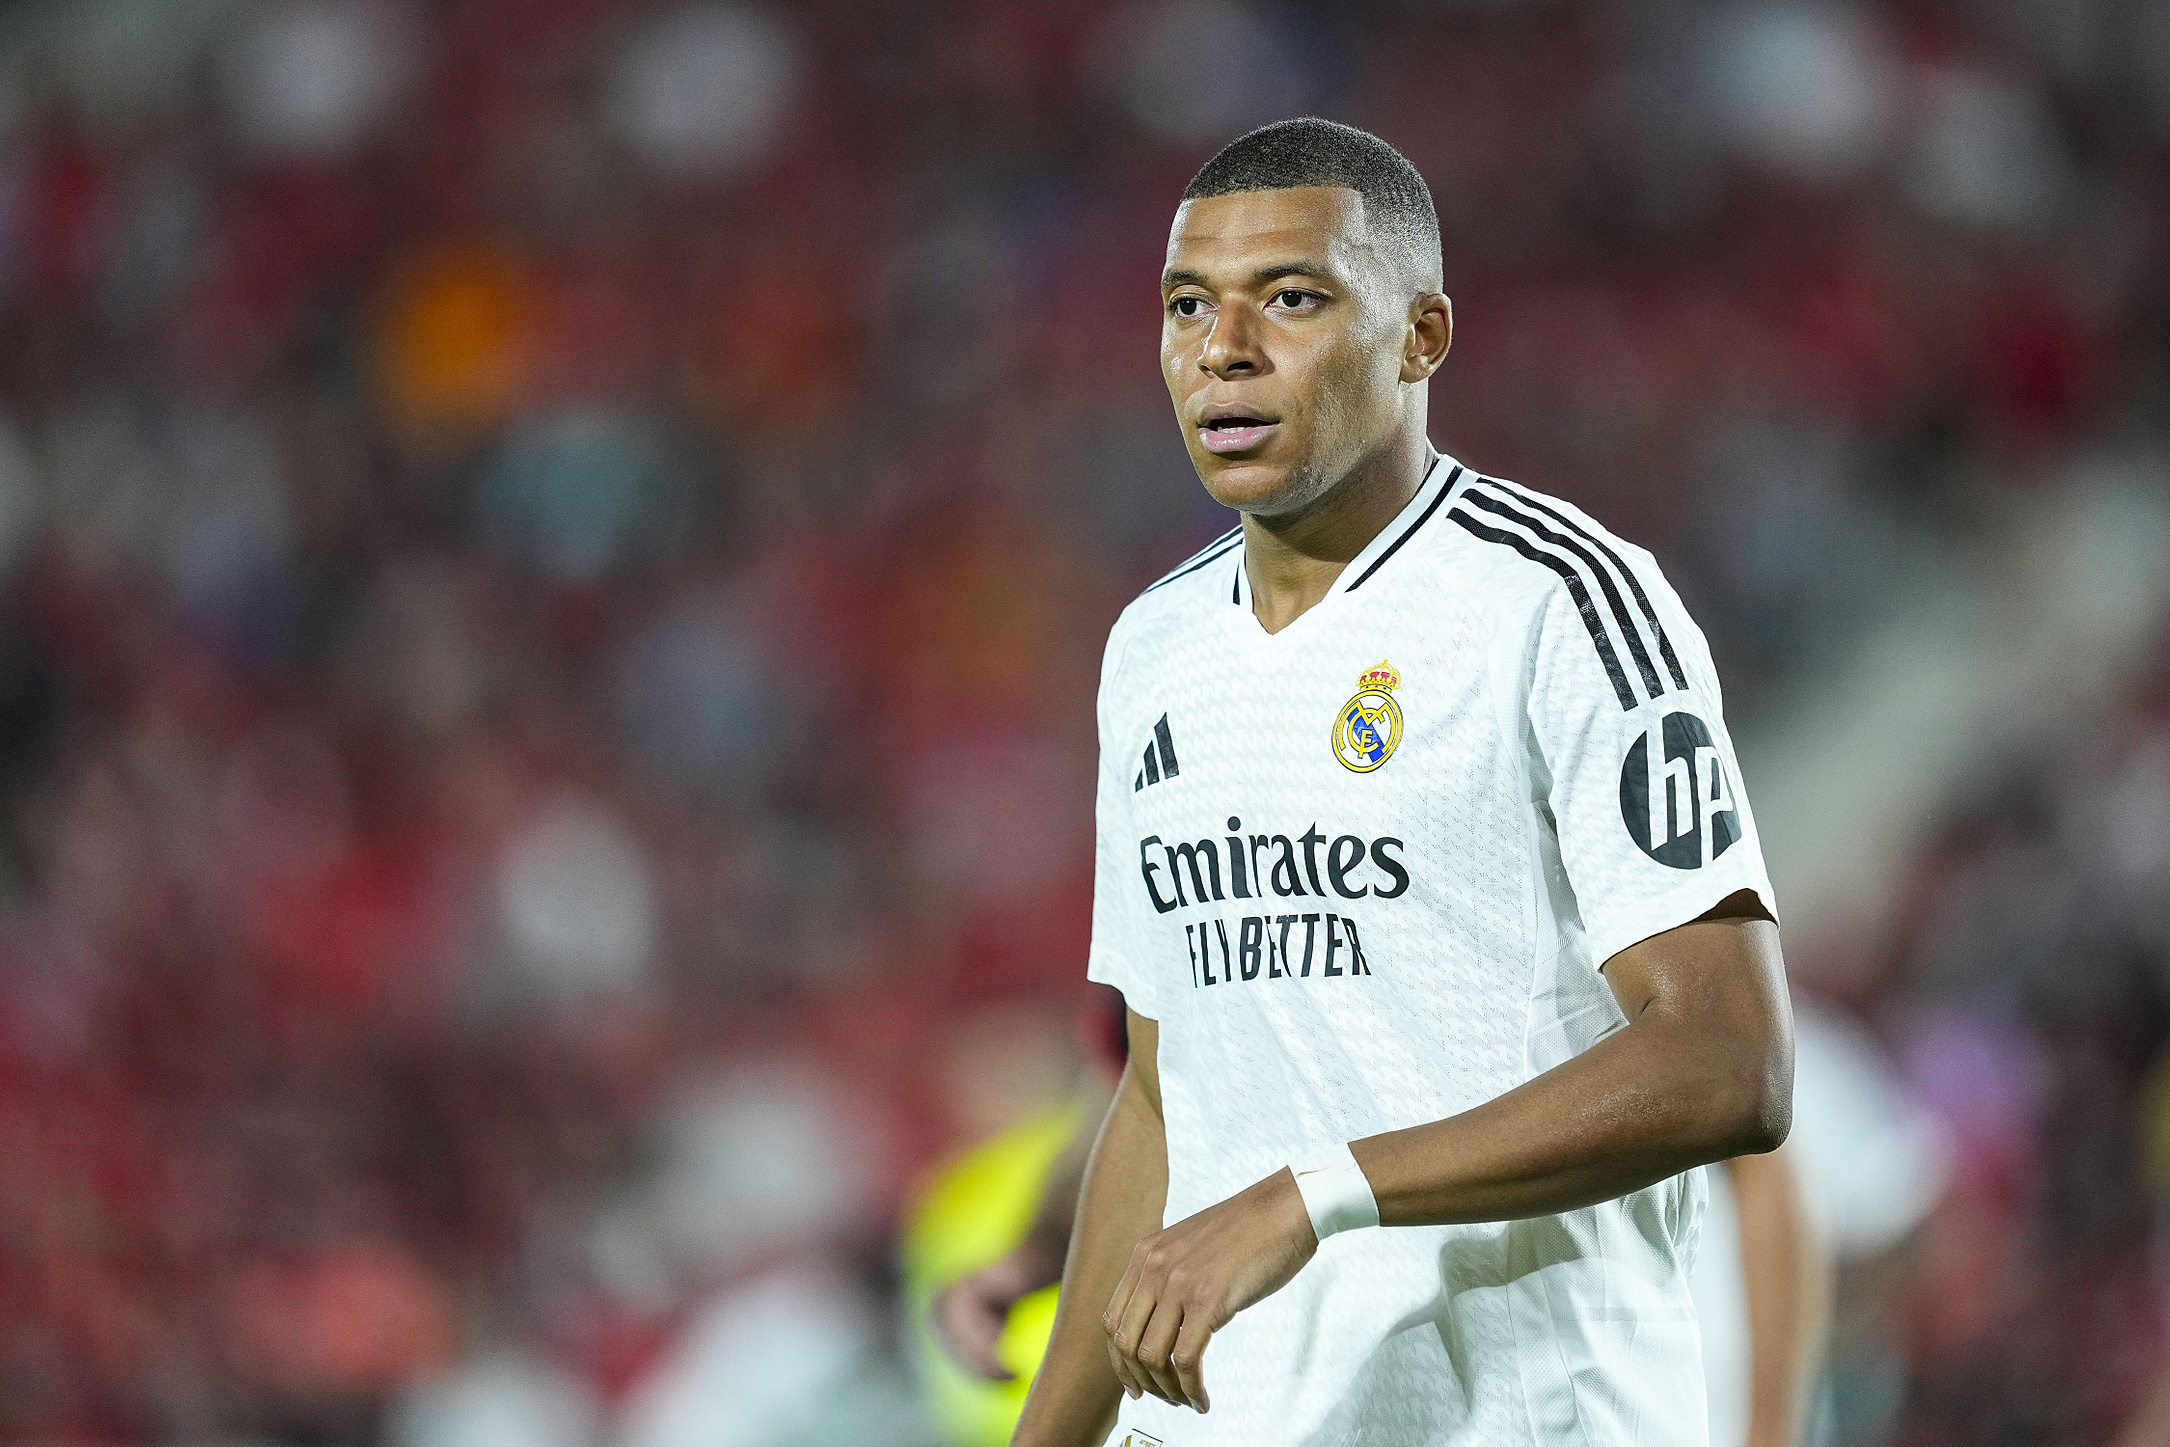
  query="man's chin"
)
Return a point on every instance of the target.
[{"x": 1263, "y": 489}]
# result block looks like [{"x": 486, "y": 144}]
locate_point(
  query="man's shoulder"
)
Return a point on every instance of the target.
[
  {"x": 1182, "y": 598},
  {"x": 1574, "y": 578},
  {"x": 1190, "y": 580},
  {"x": 1550, "y": 518},
  {"x": 1511, "y": 549}
]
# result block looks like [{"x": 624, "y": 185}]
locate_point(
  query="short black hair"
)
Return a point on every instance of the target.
[{"x": 1313, "y": 151}]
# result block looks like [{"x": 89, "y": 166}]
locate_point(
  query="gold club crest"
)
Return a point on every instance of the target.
[{"x": 1368, "y": 728}]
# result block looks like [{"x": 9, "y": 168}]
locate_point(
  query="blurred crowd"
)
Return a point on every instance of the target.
[{"x": 553, "y": 557}]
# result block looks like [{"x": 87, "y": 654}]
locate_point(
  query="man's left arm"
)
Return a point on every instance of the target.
[{"x": 1702, "y": 1071}]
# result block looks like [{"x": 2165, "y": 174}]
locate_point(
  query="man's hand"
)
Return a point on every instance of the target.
[{"x": 1185, "y": 1283}]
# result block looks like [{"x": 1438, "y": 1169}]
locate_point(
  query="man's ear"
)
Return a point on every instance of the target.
[{"x": 1431, "y": 332}]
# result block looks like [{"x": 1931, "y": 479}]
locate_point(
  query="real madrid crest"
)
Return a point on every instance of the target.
[{"x": 1369, "y": 726}]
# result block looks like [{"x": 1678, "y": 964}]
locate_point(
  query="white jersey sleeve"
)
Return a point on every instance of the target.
[
  {"x": 1644, "y": 792},
  {"x": 1121, "y": 939}
]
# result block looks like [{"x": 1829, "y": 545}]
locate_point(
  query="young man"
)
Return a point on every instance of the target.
[{"x": 1443, "y": 930}]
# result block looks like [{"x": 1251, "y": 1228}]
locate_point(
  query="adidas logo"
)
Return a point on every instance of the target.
[{"x": 1159, "y": 757}]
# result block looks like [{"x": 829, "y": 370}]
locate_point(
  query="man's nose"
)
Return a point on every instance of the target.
[{"x": 1231, "y": 348}]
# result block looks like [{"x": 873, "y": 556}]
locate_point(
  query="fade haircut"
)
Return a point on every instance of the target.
[{"x": 1311, "y": 151}]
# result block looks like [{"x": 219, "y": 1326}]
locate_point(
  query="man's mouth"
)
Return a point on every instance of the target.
[{"x": 1236, "y": 432}]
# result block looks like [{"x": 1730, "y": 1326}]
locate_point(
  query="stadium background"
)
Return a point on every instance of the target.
[{"x": 552, "y": 561}]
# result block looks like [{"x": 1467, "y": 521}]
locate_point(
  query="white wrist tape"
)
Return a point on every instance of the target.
[{"x": 1334, "y": 1191}]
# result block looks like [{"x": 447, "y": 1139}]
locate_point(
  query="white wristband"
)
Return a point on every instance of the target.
[{"x": 1335, "y": 1191}]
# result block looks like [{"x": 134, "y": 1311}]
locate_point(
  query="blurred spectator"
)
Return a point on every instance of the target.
[
  {"x": 315, "y": 78},
  {"x": 500, "y": 1402},
  {"x": 701, "y": 88}
]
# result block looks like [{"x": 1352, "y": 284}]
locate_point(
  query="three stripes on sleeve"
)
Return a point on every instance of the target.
[{"x": 1574, "y": 552}]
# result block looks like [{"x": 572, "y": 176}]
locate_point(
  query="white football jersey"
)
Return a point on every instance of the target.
[{"x": 1363, "y": 872}]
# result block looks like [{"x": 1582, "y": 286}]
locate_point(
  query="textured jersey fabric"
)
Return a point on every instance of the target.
[{"x": 1364, "y": 873}]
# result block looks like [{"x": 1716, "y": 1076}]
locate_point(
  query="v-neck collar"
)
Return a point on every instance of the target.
[{"x": 1444, "y": 477}]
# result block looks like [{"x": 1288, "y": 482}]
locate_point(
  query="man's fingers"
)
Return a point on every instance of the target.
[
  {"x": 1136, "y": 1380},
  {"x": 1156, "y": 1342},
  {"x": 1188, "y": 1358},
  {"x": 1147, "y": 1301},
  {"x": 1122, "y": 1371},
  {"x": 1137, "y": 1308},
  {"x": 1135, "y": 1312},
  {"x": 1163, "y": 1350},
  {"x": 1150, "y": 1374},
  {"x": 1111, "y": 1320}
]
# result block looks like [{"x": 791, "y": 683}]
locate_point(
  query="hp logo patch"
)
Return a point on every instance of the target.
[{"x": 1675, "y": 796}]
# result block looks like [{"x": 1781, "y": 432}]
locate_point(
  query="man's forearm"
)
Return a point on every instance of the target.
[
  {"x": 1074, "y": 1396},
  {"x": 1677, "y": 1088}
]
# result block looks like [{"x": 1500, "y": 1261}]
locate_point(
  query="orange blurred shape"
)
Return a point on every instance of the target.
[
  {"x": 455, "y": 340},
  {"x": 352, "y": 1318}
]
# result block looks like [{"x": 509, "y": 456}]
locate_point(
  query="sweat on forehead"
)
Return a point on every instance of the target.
[{"x": 1309, "y": 151}]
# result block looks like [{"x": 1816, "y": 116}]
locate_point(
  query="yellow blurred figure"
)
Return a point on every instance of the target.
[{"x": 978, "y": 1210}]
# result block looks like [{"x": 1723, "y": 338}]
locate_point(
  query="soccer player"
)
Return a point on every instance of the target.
[{"x": 1423, "y": 869}]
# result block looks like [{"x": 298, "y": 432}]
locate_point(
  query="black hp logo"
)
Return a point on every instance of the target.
[{"x": 1675, "y": 796}]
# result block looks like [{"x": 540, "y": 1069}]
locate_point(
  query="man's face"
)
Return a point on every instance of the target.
[{"x": 1282, "y": 338}]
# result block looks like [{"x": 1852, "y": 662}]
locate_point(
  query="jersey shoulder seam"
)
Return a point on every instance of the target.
[
  {"x": 1212, "y": 552},
  {"x": 1184, "y": 596},
  {"x": 1607, "y": 590}
]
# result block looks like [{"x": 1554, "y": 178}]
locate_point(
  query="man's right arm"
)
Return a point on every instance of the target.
[
  {"x": 1074, "y": 1397},
  {"x": 1786, "y": 1271}
]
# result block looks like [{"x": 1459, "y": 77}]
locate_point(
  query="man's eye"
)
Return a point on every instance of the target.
[
  {"x": 1293, "y": 300},
  {"x": 1187, "y": 306}
]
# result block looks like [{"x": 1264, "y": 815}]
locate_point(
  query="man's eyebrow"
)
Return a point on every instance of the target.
[
  {"x": 1315, "y": 269},
  {"x": 1318, "y": 270}
]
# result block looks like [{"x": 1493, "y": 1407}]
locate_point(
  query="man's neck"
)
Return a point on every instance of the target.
[{"x": 1293, "y": 562}]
